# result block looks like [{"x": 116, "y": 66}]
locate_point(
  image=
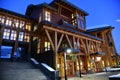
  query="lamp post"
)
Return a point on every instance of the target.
[{"x": 65, "y": 67}]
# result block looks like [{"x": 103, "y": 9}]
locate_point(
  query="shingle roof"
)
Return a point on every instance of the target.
[
  {"x": 31, "y": 7},
  {"x": 99, "y": 29},
  {"x": 70, "y": 30},
  {"x": 70, "y": 4},
  {"x": 46, "y": 5},
  {"x": 14, "y": 13}
]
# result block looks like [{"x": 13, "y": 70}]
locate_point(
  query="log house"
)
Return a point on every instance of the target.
[{"x": 46, "y": 30}]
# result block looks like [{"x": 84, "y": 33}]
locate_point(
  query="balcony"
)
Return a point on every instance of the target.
[{"x": 65, "y": 23}]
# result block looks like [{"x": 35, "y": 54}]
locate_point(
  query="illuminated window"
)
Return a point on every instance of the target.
[
  {"x": 6, "y": 34},
  {"x": 74, "y": 21},
  {"x": 27, "y": 27},
  {"x": 21, "y": 35},
  {"x": 79, "y": 65},
  {"x": 98, "y": 58},
  {"x": 13, "y": 35},
  {"x": 16, "y": 23},
  {"x": 35, "y": 28},
  {"x": 22, "y": 23},
  {"x": 47, "y": 46},
  {"x": 2, "y": 19},
  {"x": 8, "y": 21},
  {"x": 47, "y": 16},
  {"x": 81, "y": 22},
  {"x": 26, "y": 37}
]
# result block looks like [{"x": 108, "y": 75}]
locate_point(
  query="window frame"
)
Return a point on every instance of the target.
[{"x": 47, "y": 15}]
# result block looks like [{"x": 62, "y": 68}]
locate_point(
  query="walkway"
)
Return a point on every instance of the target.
[
  {"x": 96, "y": 76},
  {"x": 19, "y": 71}
]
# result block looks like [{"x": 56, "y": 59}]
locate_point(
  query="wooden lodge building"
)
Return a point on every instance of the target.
[{"x": 47, "y": 30}]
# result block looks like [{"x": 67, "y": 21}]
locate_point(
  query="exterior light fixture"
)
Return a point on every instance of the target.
[
  {"x": 98, "y": 58},
  {"x": 68, "y": 51}
]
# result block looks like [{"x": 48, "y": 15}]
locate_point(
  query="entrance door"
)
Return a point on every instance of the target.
[{"x": 70, "y": 68}]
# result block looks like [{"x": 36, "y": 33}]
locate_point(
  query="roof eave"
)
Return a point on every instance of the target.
[{"x": 70, "y": 4}]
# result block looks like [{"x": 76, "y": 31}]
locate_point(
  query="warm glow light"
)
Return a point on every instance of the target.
[
  {"x": 98, "y": 58},
  {"x": 58, "y": 65},
  {"x": 81, "y": 63},
  {"x": 68, "y": 50}
]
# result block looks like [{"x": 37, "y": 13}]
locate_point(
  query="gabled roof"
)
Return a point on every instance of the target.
[
  {"x": 69, "y": 30},
  {"x": 14, "y": 13},
  {"x": 69, "y": 4},
  {"x": 99, "y": 29},
  {"x": 46, "y": 5},
  {"x": 31, "y": 7}
]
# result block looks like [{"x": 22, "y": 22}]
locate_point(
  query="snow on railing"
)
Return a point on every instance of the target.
[
  {"x": 34, "y": 61},
  {"x": 48, "y": 67},
  {"x": 115, "y": 76}
]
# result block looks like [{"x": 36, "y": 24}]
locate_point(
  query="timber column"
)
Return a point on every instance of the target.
[
  {"x": 30, "y": 41},
  {"x": 55, "y": 51}
]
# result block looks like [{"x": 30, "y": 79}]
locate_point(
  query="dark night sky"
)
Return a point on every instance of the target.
[{"x": 101, "y": 12}]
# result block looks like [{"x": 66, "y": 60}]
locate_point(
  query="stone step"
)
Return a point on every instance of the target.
[
  {"x": 16, "y": 65},
  {"x": 22, "y": 74},
  {"x": 20, "y": 71}
]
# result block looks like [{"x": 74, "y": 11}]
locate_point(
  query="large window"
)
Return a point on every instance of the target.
[
  {"x": 16, "y": 23},
  {"x": 13, "y": 35},
  {"x": 47, "y": 16},
  {"x": 22, "y": 23},
  {"x": 6, "y": 34},
  {"x": 74, "y": 21},
  {"x": 81, "y": 21},
  {"x": 2, "y": 19},
  {"x": 26, "y": 37},
  {"x": 8, "y": 21},
  {"x": 21, "y": 35},
  {"x": 27, "y": 27},
  {"x": 47, "y": 46}
]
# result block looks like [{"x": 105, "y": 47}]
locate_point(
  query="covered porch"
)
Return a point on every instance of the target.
[{"x": 61, "y": 37}]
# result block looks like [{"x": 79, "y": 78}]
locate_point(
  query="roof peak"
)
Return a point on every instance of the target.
[{"x": 69, "y": 4}]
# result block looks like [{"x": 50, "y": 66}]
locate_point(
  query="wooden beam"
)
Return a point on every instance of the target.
[
  {"x": 69, "y": 33},
  {"x": 55, "y": 51},
  {"x": 88, "y": 47},
  {"x": 97, "y": 47},
  {"x": 60, "y": 41},
  {"x": 68, "y": 41},
  {"x": 87, "y": 57},
  {"x": 74, "y": 42},
  {"x": 64, "y": 7},
  {"x": 94, "y": 46},
  {"x": 48, "y": 35},
  {"x": 84, "y": 46},
  {"x": 78, "y": 43},
  {"x": 55, "y": 41}
]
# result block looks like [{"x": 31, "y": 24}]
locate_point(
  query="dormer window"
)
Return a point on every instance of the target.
[
  {"x": 74, "y": 22},
  {"x": 47, "y": 16},
  {"x": 80, "y": 21}
]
